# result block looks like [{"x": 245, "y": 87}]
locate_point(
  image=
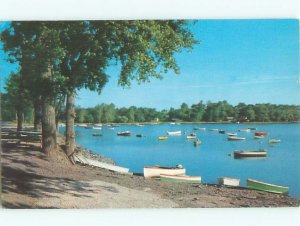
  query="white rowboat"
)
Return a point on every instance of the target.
[
  {"x": 155, "y": 171},
  {"x": 228, "y": 181}
]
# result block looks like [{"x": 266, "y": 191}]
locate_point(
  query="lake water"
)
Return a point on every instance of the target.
[{"x": 212, "y": 159}]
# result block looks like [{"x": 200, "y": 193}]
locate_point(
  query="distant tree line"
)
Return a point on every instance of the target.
[{"x": 221, "y": 111}]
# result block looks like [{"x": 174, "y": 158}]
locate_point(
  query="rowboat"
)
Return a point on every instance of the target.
[
  {"x": 258, "y": 137},
  {"x": 180, "y": 178},
  {"x": 244, "y": 130},
  {"x": 231, "y": 134},
  {"x": 262, "y": 186},
  {"x": 250, "y": 154},
  {"x": 156, "y": 171},
  {"x": 274, "y": 141},
  {"x": 191, "y": 137},
  {"x": 228, "y": 181},
  {"x": 162, "y": 138},
  {"x": 174, "y": 132},
  {"x": 96, "y": 127},
  {"x": 260, "y": 133},
  {"x": 124, "y": 133},
  {"x": 232, "y": 138},
  {"x": 199, "y": 128},
  {"x": 197, "y": 142}
]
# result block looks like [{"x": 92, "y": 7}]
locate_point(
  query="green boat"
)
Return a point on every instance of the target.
[{"x": 262, "y": 186}]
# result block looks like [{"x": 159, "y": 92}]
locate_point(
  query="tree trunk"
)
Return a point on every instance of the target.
[
  {"x": 70, "y": 118},
  {"x": 19, "y": 120},
  {"x": 38, "y": 114},
  {"x": 48, "y": 126}
]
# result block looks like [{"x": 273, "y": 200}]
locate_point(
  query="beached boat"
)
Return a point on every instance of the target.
[
  {"x": 262, "y": 186},
  {"x": 231, "y": 134},
  {"x": 228, "y": 181},
  {"x": 124, "y": 133},
  {"x": 233, "y": 138},
  {"x": 174, "y": 132},
  {"x": 199, "y": 128},
  {"x": 274, "y": 141},
  {"x": 197, "y": 142},
  {"x": 258, "y": 137},
  {"x": 156, "y": 171},
  {"x": 162, "y": 138},
  {"x": 250, "y": 154},
  {"x": 244, "y": 130},
  {"x": 261, "y": 133},
  {"x": 180, "y": 178}
]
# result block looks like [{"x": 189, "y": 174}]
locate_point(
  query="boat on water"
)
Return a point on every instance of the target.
[
  {"x": 199, "y": 128},
  {"x": 174, "y": 132},
  {"x": 197, "y": 142},
  {"x": 274, "y": 141},
  {"x": 162, "y": 138},
  {"x": 156, "y": 171},
  {"x": 180, "y": 178},
  {"x": 124, "y": 133},
  {"x": 139, "y": 135},
  {"x": 244, "y": 130},
  {"x": 222, "y": 131},
  {"x": 97, "y": 134},
  {"x": 229, "y": 181},
  {"x": 231, "y": 134},
  {"x": 97, "y": 127},
  {"x": 262, "y": 186},
  {"x": 261, "y": 133},
  {"x": 258, "y": 137},
  {"x": 213, "y": 129},
  {"x": 192, "y": 136},
  {"x": 234, "y": 138},
  {"x": 252, "y": 128},
  {"x": 250, "y": 154}
]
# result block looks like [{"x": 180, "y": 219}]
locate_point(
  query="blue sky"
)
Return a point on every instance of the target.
[{"x": 250, "y": 61}]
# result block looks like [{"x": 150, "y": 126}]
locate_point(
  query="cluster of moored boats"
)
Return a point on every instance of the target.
[{"x": 177, "y": 174}]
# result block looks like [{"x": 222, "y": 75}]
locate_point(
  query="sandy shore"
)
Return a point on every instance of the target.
[{"x": 30, "y": 179}]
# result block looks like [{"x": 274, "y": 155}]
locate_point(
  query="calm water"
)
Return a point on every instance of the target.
[{"x": 211, "y": 159}]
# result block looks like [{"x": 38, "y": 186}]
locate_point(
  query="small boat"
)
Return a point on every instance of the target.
[
  {"x": 252, "y": 128},
  {"x": 274, "y": 141},
  {"x": 97, "y": 134},
  {"x": 262, "y": 186},
  {"x": 222, "y": 131},
  {"x": 180, "y": 178},
  {"x": 174, "y": 132},
  {"x": 250, "y": 154},
  {"x": 233, "y": 138},
  {"x": 231, "y": 134},
  {"x": 244, "y": 130},
  {"x": 156, "y": 171},
  {"x": 172, "y": 123},
  {"x": 125, "y": 133},
  {"x": 197, "y": 142},
  {"x": 139, "y": 135},
  {"x": 228, "y": 181},
  {"x": 213, "y": 129},
  {"x": 191, "y": 137},
  {"x": 96, "y": 127},
  {"x": 162, "y": 138},
  {"x": 199, "y": 128},
  {"x": 260, "y": 133},
  {"x": 258, "y": 137}
]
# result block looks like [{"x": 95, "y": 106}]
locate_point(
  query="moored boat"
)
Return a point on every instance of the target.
[
  {"x": 139, "y": 135},
  {"x": 233, "y": 138},
  {"x": 162, "y": 138},
  {"x": 261, "y": 133},
  {"x": 231, "y": 134},
  {"x": 174, "y": 132},
  {"x": 97, "y": 134},
  {"x": 180, "y": 178},
  {"x": 250, "y": 154},
  {"x": 258, "y": 137},
  {"x": 274, "y": 141},
  {"x": 96, "y": 127},
  {"x": 244, "y": 130},
  {"x": 124, "y": 133},
  {"x": 197, "y": 142},
  {"x": 199, "y": 128},
  {"x": 262, "y": 186},
  {"x": 192, "y": 136},
  {"x": 228, "y": 181},
  {"x": 222, "y": 131},
  {"x": 213, "y": 129},
  {"x": 156, "y": 171},
  {"x": 252, "y": 128}
]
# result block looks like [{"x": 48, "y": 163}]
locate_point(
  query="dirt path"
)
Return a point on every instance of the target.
[{"x": 30, "y": 179}]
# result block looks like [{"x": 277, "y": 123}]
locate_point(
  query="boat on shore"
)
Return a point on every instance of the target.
[
  {"x": 262, "y": 186},
  {"x": 274, "y": 141},
  {"x": 174, "y": 132},
  {"x": 124, "y": 133},
  {"x": 162, "y": 138},
  {"x": 232, "y": 134},
  {"x": 249, "y": 154},
  {"x": 229, "y": 181},
  {"x": 233, "y": 138},
  {"x": 261, "y": 133},
  {"x": 180, "y": 178},
  {"x": 156, "y": 171}
]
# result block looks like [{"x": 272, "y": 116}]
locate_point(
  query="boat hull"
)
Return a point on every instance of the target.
[
  {"x": 249, "y": 154},
  {"x": 155, "y": 171},
  {"x": 260, "y": 133},
  {"x": 180, "y": 178},
  {"x": 231, "y": 138},
  {"x": 174, "y": 132},
  {"x": 162, "y": 138},
  {"x": 262, "y": 186},
  {"x": 230, "y": 182}
]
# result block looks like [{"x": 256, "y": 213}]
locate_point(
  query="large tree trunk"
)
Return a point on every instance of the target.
[
  {"x": 70, "y": 118},
  {"x": 38, "y": 114},
  {"x": 48, "y": 126}
]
